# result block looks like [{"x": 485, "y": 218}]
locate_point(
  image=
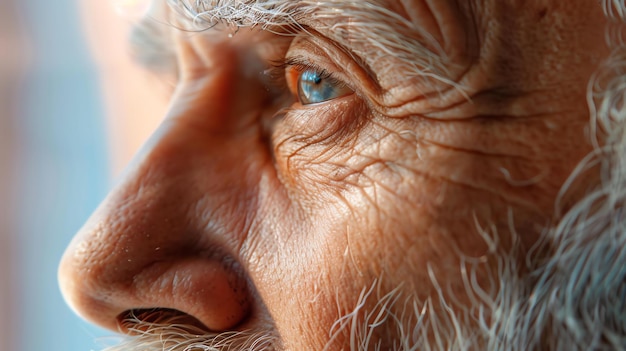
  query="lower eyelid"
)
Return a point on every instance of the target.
[{"x": 325, "y": 117}]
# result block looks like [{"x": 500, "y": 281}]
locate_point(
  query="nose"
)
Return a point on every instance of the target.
[{"x": 168, "y": 235}]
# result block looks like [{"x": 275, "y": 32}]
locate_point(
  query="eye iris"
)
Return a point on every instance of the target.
[{"x": 313, "y": 88}]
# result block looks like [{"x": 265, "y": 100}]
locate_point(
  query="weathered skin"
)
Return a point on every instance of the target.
[{"x": 242, "y": 219}]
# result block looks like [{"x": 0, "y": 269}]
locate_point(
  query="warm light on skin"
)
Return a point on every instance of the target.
[{"x": 424, "y": 190}]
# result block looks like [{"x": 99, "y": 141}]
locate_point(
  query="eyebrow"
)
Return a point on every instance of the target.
[{"x": 366, "y": 28}]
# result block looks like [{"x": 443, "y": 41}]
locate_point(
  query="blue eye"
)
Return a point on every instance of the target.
[{"x": 315, "y": 87}]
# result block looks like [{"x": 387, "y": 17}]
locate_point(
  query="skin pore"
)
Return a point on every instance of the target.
[{"x": 421, "y": 201}]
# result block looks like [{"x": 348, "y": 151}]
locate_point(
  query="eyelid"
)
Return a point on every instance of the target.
[
  {"x": 304, "y": 54},
  {"x": 318, "y": 121}
]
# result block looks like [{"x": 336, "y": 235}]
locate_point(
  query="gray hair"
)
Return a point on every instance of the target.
[{"x": 366, "y": 24}]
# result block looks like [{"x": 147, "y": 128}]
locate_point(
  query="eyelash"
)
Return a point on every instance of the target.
[{"x": 300, "y": 65}]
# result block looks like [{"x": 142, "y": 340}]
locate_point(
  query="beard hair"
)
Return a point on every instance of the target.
[
  {"x": 166, "y": 330},
  {"x": 574, "y": 299}
]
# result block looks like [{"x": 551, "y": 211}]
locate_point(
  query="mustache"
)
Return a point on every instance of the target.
[{"x": 163, "y": 330}]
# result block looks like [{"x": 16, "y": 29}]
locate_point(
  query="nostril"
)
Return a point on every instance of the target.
[{"x": 151, "y": 320}]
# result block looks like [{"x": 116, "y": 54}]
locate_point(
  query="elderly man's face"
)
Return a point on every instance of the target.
[{"x": 345, "y": 174}]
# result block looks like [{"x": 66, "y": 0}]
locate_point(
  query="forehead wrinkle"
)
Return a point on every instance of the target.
[{"x": 366, "y": 27}]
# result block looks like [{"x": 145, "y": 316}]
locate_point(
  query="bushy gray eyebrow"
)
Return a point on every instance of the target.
[{"x": 366, "y": 27}]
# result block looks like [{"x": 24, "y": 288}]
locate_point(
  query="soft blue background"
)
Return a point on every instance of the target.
[{"x": 62, "y": 172}]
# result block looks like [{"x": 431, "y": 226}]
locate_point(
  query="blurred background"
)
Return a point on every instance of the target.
[
  {"x": 56, "y": 159},
  {"x": 54, "y": 168}
]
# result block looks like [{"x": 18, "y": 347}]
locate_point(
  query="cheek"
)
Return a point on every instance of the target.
[
  {"x": 299, "y": 268},
  {"x": 397, "y": 200},
  {"x": 369, "y": 242},
  {"x": 406, "y": 183}
]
